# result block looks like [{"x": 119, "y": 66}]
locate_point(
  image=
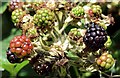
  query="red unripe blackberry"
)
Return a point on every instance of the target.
[
  {"x": 90, "y": 12},
  {"x": 21, "y": 46},
  {"x": 95, "y": 37},
  {"x": 106, "y": 61},
  {"x": 12, "y": 58}
]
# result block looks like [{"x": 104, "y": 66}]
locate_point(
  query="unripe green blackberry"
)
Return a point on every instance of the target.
[
  {"x": 96, "y": 10},
  {"x": 44, "y": 18},
  {"x": 106, "y": 61},
  {"x": 74, "y": 34},
  {"x": 32, "y": 32},
  {"x": 77, "y": 12},
  {"x": 17, "y": 16},
  {"x": 15, "y": 4},
  {"x": 95, "y": 37}
]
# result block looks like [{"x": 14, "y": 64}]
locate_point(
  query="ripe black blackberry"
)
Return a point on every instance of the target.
[
  {"x": 41, "y": 66},
  {"x": 95, "y": 37},
  {"x": 12, "y": 58}
]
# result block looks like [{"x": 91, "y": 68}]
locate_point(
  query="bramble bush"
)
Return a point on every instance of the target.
[{"x": 60, "y": 39}]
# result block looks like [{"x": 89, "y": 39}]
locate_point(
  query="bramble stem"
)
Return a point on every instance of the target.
[
  {"x": 111, "y": 76},
  {"x": 63, "y": 28},
  {"x": 42, "y": 44},
  {"x": 58, "y": 19}
]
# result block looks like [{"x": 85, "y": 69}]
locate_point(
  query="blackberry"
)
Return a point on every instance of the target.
[
  {"x": 21, "y": 46},
  {"x": 95, "y": 10},
  {"x": 15, "y": 4},
  {"x": 106, "y": 61},
  {"x": 12, "y": 58},
  {"x": 41, "y": 66},
  {"x": 32, "y": 33},
  {"x": 77, "y": 12},
  {"x": 43, "y": 69},
  {"x": 74, "y": 34},
  {"x": 44, "y": 18},
  {"x": 17, "y": 16},
  {"x": 95, "y": 37}
]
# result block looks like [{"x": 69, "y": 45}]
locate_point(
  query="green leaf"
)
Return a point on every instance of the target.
[
  {"x": 20, "y": 66},
  {"x": 62, "y": 71},
  {"x": 72, "y": 56},
  {"x": 74, "y": 72},
  {"x": 117, "y": 36},
  {"x": 6, "y": 65},
  {"x": 3, "y": 6}
]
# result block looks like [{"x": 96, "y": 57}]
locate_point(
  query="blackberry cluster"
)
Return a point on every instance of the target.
[
  {"x": 41, "y": 66},
  {"x": 21, "y": 46},
  {"x": 95, "y": 37},
  {"x": 106, "y": 61},
  {"x": 44, "y": 18},
  {"x": 12, "y": 58}
]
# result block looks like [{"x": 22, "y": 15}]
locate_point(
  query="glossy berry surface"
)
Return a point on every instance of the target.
[
  {"x": 43, "y": 69},
  {"x": 12, "y": 58},
  {"x": 95, "y": 37},
  {"x": 41, "y": 66},
  {"x": 105, "y": 60},
  {"x": 21, "y": 46}
]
